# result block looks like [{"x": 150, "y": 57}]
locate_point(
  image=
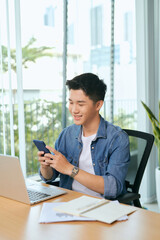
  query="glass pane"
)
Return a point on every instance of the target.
[
  {"x": 89, "y": 38},
  {"x": 125, "y": 94},
  {"x": 42, "y": 48},
  {"x": 7, "y": 38}
]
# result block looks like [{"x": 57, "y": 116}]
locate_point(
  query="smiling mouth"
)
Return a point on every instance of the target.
[{"x": 77, "y": 117}]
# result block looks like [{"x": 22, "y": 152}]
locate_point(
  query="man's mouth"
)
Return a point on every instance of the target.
[{"x": 77, "y": 117}]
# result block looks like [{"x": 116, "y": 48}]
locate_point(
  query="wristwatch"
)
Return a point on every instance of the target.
[{"x": 75, "y": 170}]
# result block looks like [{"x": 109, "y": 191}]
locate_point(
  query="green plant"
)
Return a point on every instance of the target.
[
  {"x": 155, "y": 126},
  {"x": 30, "y": 53}
]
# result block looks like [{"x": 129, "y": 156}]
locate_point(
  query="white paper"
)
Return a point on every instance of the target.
[{"x": 48, "y": 214}]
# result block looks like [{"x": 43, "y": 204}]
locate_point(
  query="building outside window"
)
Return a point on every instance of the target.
[{"x": 49, "y": 17}]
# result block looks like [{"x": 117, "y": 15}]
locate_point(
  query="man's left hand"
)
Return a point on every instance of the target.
[{"x": 58, "y": 162}]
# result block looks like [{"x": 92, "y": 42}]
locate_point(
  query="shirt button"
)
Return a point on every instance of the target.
[
  {"x": 94, "y": 164},
  {"x": 92, "y": 147}
]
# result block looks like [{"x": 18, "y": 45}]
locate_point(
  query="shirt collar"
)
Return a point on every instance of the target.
[
  {"x": 102, "y": 130},
  {"x": 79, "y": 133}
]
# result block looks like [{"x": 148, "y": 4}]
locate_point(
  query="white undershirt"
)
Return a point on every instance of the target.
[{"x": 85, "y": 163}]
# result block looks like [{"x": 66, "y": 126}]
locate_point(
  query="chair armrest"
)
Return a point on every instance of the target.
[{"x": 128, "y": 197}]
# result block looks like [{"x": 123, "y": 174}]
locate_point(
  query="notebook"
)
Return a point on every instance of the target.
[
  {"x": 14, "y": 186},
  {"x": 95, "y": 208}
]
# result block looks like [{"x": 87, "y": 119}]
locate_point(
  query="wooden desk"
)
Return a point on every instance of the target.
[{"x": 19, "y": 221}]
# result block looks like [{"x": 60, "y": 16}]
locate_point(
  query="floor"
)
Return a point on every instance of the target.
[{"x": 152, "y": 207}]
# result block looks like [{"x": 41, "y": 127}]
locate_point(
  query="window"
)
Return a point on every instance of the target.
[{"x": 88, "y": 50}]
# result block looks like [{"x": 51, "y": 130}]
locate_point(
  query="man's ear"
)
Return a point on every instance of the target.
[{"x": 99, "y": 104}]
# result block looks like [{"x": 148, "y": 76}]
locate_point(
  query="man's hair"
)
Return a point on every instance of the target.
[{"x": 90, "y": 83}]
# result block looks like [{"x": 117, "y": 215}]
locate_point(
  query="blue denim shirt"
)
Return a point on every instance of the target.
[{"x": 110, "y": 156}]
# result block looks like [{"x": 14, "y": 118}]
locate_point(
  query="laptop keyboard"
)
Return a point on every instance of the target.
[{"x": 35, "y": 196}]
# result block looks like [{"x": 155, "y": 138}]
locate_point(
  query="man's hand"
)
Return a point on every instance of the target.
[
  {"x": 45, "y": 168},
  {"x": 58, "y": 161},
  {"x": 41, "y": 159}
]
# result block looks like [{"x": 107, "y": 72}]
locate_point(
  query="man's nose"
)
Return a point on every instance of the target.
[{"x": 75, "y": 108}]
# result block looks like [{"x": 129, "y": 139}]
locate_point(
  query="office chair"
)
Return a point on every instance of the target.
[{"x": 139, "y": 158}]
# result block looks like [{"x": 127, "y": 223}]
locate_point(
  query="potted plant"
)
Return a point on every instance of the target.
[{"x": 156, "y": 131}]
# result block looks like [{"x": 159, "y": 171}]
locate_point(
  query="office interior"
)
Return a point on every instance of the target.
[{"x": 43, "y": 43}]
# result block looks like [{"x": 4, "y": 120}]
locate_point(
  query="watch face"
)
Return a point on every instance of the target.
[{"x": 74, "y": 171}]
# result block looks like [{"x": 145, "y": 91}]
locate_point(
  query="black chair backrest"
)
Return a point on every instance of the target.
[{"x": 149, "y": 139}]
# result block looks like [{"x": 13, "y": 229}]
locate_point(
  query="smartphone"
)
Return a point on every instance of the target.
[{"x": 41, "y": 146}]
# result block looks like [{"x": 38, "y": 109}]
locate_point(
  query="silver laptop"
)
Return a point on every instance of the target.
[{"x": 13, "y": 185}]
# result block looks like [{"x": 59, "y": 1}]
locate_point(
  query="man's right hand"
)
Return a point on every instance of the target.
[{"x": 45, "y": 168}]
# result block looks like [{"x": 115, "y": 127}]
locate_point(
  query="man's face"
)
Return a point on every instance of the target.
[{"x": 82, "y": 108}]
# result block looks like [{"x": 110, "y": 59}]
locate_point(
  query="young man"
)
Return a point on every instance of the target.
[{"x": 92, "y": 155}]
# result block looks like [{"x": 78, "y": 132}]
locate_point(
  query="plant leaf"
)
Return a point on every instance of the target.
[{"x": 150, "y": 113}]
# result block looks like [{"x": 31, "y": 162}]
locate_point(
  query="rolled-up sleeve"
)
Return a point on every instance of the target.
[
  {"x": 118, "y": 162},
  {"x": 55, "y": 174}
]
